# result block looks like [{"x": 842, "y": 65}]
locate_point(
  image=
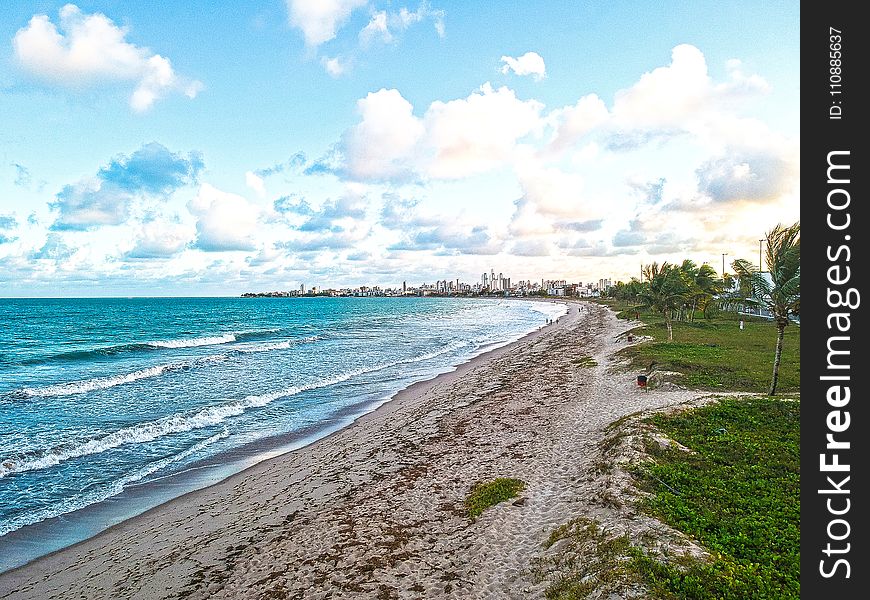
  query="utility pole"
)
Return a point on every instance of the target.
[{"x": 724, "y": 254}]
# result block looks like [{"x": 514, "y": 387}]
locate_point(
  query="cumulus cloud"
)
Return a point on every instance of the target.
[
  {"x": 553, "y": 191},
  {"x": 681, "y": 97},
  {"x": 452, "y": 238},
  {"x": 54, "y": 248},
  {"x": 480, "y": 132},
  {"x": 319, "y": 243},
  {"x": 89, "y": 49},
  {"x": 583, "y": 247},
  {"x": 405, "y": 18},
  {"x": 7, "y": 224},
  {"x": 385, "y": 26},
  {"x": 160, "y": 238},
  {"x": 573, "y": 123},
  {"x": 320, "y": 20},
  {"x": 753, "y": 175},
  {"x": 382, "y": 144},
  {"x": 451, "y": 140},
  {"x": 152, "y": 169},
  {"x": 405, "y": 214},
  {"x": 335, "y": 215},
  {"x": 626, "y": 237},
  {"x": 292, "y": 204},
  {"x": 529, "y": 63},
  {"x": 334, "y": 66},
  {"x": 88, "y": 204},
  {"x": 739, "y": 83},
  {"x": 666, "y": 96},
  {"x": 531, "y": 248},
  {"x": 376, "y": 29},
  {"x": 255, "y": 182},
  {"x": 650, "y": 191},
  {"x": 580, "y": 226},
  {"x": 106, "y": 198},
  {"x": 225, "y": 221}
]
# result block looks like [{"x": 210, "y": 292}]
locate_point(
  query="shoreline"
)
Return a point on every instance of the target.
[
  {"x": 138, "y": 500},
  {"x": 375, "y": 510}
]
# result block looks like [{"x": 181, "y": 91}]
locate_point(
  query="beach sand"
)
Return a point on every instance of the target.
[{"x": 376, "y": 510}]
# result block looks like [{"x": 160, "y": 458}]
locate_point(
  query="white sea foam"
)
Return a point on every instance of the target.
[
  {"x": 194, "y": 342},
  {"x": 99, "y": 383},
  {"x": 430, "y": 355},
  {"x": 180, "y": 423},
  {"x": 268, "y": 347},
  {"x": 113, "y": 489}
]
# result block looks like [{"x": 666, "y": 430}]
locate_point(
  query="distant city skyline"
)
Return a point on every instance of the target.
[{"x": 213, "y": 148}]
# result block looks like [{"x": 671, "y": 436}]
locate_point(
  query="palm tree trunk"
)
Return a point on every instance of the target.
[{"x": 780, "y": 333}]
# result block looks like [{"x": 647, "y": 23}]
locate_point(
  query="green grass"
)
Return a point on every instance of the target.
[
  {"x": 715, "y": 354},
  {"x": 593, "y": 559},
  {"x": 738, "y": 494},
  {"x": 584, "y": 361},
  {"x": 491, "y": 493}
]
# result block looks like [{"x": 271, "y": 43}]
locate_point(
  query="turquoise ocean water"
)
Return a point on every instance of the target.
[{"x": 102, "y": 398}]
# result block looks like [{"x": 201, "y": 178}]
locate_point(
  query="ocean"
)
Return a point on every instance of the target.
[{"x": 110, "y": 406}]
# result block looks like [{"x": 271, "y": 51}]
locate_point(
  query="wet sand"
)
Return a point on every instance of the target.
[{"x": 375, "y": 510}]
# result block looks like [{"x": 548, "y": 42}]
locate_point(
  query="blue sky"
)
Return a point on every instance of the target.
[{"x": 205, "y": 148}]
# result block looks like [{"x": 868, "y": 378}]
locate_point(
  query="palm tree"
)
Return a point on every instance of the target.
[
  {"x": 781, "y": 292},
  {"x": 701, "y": 285},
  {"x": 665, "y": 292}
]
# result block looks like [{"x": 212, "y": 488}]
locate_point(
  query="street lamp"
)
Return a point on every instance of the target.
[{"x": 724, "y": 254}]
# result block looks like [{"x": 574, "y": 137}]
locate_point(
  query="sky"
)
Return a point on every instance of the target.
[{"x": 215, "y": 147}]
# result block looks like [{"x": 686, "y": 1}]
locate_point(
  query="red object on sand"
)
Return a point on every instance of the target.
[{"x": 641, "y": 380}]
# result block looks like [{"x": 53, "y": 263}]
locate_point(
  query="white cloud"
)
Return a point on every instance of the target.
[
  {"x": 573, "y": 123},
  {"x": 452, "y": 140},
  {"x": 682, "y": 96},
  {"x": 555, "y": 192},
  {"x": 382, "y": 144},
  {"x": 739, "y": 83},
  {"x": 255, "y": 182},
  {"x": 225, "y": 221},
  {"x": 376, "y": 29},
  {"x": 160, "y": 239},
  {"x": 336, "y": 67},
  {"x": 384, "y": 26},
  {"x": 529, "y": 63},
  {"x": 741, "y": 174},
  {"x": 320, "y": 20},
  {"x": 531, "y": 248},
  {"x": 478, "y": 133},
  {"x": 91, "y": 49},
  {"x": 667, "y": 96}
]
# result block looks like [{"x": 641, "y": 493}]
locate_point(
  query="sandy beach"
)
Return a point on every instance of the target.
[{"x": 376, "y": 510}]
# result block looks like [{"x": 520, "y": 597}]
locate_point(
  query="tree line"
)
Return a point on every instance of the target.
[{"x": 679, "y": 291}]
